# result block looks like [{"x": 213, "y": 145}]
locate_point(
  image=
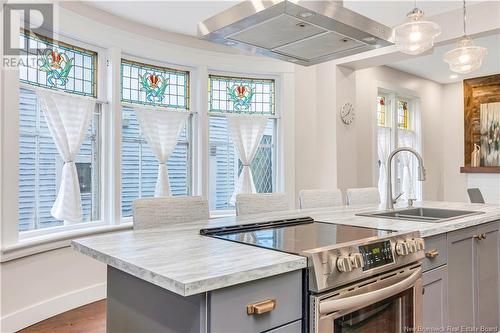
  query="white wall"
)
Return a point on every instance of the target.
[
  {"x": 454, "y": 182},
  {"x": 46, "y": 284},
  {"x": 315, "y": 127}
]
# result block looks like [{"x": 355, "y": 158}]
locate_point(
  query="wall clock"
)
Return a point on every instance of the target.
[{"x": 347, "y": 113}]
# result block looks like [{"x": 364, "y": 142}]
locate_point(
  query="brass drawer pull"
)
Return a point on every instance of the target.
[
  {"x": 261, "y": 307},
  {"x": 432, "y": 253},
  {"x": 480, "y": 236}
]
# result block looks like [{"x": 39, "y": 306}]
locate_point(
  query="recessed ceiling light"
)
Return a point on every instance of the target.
[{"x": 453, "y": 76}]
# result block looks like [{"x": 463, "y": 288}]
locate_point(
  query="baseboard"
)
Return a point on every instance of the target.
[{"x": 35, "y": 313}]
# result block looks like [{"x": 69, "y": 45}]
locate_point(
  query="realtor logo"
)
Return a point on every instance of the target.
[{"x": 36, "y": 18}]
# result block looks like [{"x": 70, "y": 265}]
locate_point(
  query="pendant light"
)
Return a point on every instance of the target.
[
  {"x": 466, "y": 57},
  {"x": 416, "y": 35}
]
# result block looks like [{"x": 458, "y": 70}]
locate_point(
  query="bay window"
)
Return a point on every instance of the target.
[
  {"x": 70, "y": 71},
  {"x": 229, "y": 96}
]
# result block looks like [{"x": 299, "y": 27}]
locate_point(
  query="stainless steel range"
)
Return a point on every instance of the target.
[{"x": 359, "y": 279}]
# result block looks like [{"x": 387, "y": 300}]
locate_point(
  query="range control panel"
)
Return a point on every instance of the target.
[
  {"x": 376, "y": 254},
  {"x": 338, "y": 265}
]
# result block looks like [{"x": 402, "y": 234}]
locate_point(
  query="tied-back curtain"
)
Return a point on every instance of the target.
[
  {"x": 246, "y": 133},
  {"x": 68, "y": 118},
  {"x": 407, "y": 139},
  {"x": 161, "y": 128},
  {"x": 384, "y": 149}
]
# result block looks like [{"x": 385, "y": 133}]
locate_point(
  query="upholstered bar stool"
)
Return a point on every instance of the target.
[
  {"x": 362, "y": 196},
  {"x": 156, "y": 212},
  {"x": 261, "y": 203},
  {"x": 320, "y": 198}
]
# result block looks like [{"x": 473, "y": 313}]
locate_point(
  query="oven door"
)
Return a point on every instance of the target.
[{"x": 389, "y": 303}]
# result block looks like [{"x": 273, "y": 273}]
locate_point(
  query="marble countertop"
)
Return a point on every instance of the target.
[{"x": 177, "y": 258}]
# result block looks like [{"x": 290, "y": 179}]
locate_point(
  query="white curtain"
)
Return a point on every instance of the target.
[
  {"x": 384, "y": 149},
  {"x": 246, "y": 132},
  {"x": 161, "y": 128},
  {"x": 68, "y": 118},
  {"x": 407, "y": 139}
]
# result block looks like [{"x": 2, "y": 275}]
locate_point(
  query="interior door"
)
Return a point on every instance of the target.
[{"x": 488, "y": 250}]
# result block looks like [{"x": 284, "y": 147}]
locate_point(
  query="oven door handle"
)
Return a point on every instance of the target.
[{"x": 353, "y": 302}]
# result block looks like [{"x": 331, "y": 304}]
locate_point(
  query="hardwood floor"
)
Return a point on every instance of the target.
[{"x": 90, "y": 318}]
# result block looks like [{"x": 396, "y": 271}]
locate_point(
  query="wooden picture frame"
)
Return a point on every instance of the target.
[{"x": 477, "y": 91}]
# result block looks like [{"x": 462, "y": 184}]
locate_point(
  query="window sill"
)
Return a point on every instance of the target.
[{"x": 34, "y": 245}]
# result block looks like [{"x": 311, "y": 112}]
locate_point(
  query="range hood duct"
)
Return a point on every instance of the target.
[{"x": 300, "y": 31}]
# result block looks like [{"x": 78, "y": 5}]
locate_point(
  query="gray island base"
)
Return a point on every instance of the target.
[{"x": 134, "y": 305}]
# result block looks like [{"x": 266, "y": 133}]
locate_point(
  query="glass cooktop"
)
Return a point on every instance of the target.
[{"x": 293, "y": 236}]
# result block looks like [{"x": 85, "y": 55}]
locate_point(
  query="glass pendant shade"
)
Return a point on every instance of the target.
[
  {"x": 416, "y": 35},
  {"x": 466, "y": 58}
]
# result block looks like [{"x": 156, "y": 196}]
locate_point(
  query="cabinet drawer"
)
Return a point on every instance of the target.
[
  {"x": 435, "y": 252},
  {"x": 228, "y": 306},
  {"x": 295, "y": 327}
]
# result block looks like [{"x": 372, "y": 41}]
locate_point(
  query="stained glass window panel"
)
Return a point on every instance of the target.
[
  {"x": 153, "y": 85},
  {"x": 241, "y": 95},
  {"x": 56, "y": 65},
  {"x": 381, "y": 111},
  {"x": 403, "y": 115}
]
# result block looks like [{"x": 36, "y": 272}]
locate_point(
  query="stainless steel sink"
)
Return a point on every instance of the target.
[{"x": 432, "y": 215}]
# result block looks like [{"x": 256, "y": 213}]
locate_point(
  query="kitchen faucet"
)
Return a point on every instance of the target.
[{"x": 389, "y": 205}]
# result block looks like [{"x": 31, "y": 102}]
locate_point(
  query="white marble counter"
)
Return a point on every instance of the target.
[{"x": 178, "y": 259}]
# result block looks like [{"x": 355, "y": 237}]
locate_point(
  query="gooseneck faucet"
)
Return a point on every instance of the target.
[{"x": 389, "y": 205}]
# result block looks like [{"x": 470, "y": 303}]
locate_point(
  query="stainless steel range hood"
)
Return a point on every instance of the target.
[{"x": 303, "y": 32}]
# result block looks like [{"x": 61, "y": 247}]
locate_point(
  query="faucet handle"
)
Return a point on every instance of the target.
[{"x": 397, "y": 197}]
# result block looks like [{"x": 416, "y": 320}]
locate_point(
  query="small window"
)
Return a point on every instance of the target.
[
  {"x": 57, "y": 65},
  {"x": 154, "y": 85},
  {"x": 140, "y": 166},
  {"x": 40, "y": 167},
  {"x": 151, "y": 85},
  {"x": 381, "y": 111},
  {"x": 241, "y": 95},
  {"x": 403, "y": 115}
]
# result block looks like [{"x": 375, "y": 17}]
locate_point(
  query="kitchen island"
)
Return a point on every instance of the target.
[{"x": 199, "y": 279}]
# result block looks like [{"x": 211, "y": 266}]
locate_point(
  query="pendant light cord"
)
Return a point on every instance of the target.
[{"x": 465, "y": 19}]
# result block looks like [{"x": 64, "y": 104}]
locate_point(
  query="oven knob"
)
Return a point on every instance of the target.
[
  {"x": 357, "y": 260},
  {"x": 401, "y": 248},
  {"x": 412, "y": 246},
  {"x": 420, "y": 244},
  {"x": 344, "y": 264}
]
